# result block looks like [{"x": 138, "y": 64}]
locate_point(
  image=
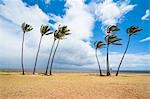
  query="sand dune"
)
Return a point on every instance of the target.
[{"x": 74, "y": 86}]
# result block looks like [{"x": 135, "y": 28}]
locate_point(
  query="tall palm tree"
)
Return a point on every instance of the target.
[
  {"x": 59, "y": 34},
  {"x": 50, "y": 54},
  {"x": 25, "y": 28},
  {"x": 111, "y": 39},
  {"x": 98, "y": 44},
  {"x": 44, "y": 31},
  {"x": 130, "y": 31}
]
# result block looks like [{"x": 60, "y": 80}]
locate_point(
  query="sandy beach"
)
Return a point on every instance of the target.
[{"x": 74, "y": 86}]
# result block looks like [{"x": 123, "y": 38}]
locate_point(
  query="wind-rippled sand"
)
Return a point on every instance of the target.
[{"x": 74, "y": 86}]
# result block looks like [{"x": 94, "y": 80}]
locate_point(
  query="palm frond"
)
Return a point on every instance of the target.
[
  {"x": 112, "y": 28},
  {"x": 99, "y": 44},
  {"x": 49, "y": 33},
  {"x": 61, "y": 32},
  {"x": 116, "y": 43},
  {"x": 111, "y": 39},
  {"x": 132, "y": 30},
  {"x": 26, "y": 27},
  {"x": 44, "y": 29}
]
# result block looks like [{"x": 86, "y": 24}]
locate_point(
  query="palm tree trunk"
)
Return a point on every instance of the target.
[
  {"x": 22, "y": 54},
  {"x": 107, "y": 60},
  {"x": 100, "y": 72},
  {"x": 53, "y": 57},
  {"x": 37, "y": 55},
  {"x": 123, "y": 55},
  {"x": 50, "y": 56}
]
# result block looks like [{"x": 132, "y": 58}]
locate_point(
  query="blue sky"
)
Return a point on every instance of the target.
[
  {"x": 86, "y": 20},
  {"x": 132, "y": 18}
]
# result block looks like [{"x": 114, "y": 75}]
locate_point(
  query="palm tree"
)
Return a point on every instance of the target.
[
  {"x": 50, "y": 54},
  {"x": 25, "y": 28},
  {"x": 44, "y": 31},
  {"x": 111, "y": 39},
  {"x": 130, "y": 31},
  {"x": 97, "y": 45},
  {"x": 59, "y": 34}
]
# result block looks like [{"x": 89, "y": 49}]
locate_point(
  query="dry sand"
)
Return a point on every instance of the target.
[{"x": 74, "y": 86}]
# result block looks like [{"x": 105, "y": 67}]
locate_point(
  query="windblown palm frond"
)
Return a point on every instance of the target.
[
  {"x": 112, "y": 28},
  {"x": 133, "y": 30},
  {"x": 112, "y": 39},
  {"x": 26, "y": 27},
  {"x": 61, "y": 32},
  {"x": 99, "y": 44},
  {"x": 45, "y": 30}
]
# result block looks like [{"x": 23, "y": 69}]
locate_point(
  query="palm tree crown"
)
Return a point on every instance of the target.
[
  {"x": 111, "y": 29},
  {"x": 61, "y": 32},
  {"x": 133, "y": 30},
  {"x": 99, "y": 44},
  {"x": 112, "y": 39},
  {"x": 26, "y": 27},
  {"x": 45, "y": 30}
]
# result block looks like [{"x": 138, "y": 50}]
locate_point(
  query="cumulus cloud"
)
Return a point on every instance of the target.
[
  {"x": 74, "y": 46},
  {"x": 77, "y": 18},
  {"x": 12, "y": 14},
  {"x": 75, "y": 50},
  {"x": 146, "y": 16},
  {"x": 109, "y": 12},
  {"x": 145, "y": 39}
]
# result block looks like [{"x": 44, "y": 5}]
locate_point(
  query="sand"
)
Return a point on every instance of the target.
[{"x": 74, "y": 86}]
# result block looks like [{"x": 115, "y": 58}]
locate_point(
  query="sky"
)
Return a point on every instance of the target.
[{"x": 87, "y": 20}]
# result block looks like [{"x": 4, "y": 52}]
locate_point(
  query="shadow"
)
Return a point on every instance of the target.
[
  {"x": 6, "y": 74},
  {"x": 123, "y": 76},
  {"x": 96, "y": 75},
  {"x": 43, "y": 74}
]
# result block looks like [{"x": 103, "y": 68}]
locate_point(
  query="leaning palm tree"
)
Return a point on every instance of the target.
[
  {"x": 111, "y": 39},
  {"x": 50, "y": 54},
  {"x": 98, "y": 44},
  {"x": 44, "y": 31},
  {"x": 59, "y": 35},
  {"x": 25, "y": 28},
  {"x": 130, "y": 31}
]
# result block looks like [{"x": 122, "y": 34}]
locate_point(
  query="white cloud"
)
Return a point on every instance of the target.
[
  {"x": 13, "y": 13},
  {"x": 110, "y": 12},
  {"x": 146, "y": 16},
  {"x": 81, "y": 29},
  {"x": 80, "y": 22},
  {"x": 47, "y": 1},
  {"x": 77, "y": 17},
  {"x": 145, "y": 39}
]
